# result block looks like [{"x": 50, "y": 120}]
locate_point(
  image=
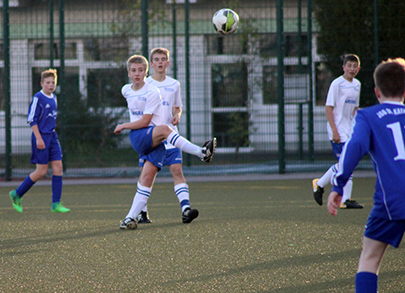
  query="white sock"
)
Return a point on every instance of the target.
[
  {"x": 327, "y": 177},
  {"x": 183, "y": 144},
  {"x": 140, "y": 199},
  {"x": 183, "y": 195},
  {"x": 347, "y": 190}
]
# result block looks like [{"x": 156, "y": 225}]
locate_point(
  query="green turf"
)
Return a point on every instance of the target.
[{"x": 253, "y": 236}]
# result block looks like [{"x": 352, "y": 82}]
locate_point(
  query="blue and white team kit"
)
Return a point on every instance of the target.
[
  {"x": 379, "y": 131},
  {"x": 43, "y": 112},
  {"x": 146, "y": 100},
  {"x": 171, "y": 97}
]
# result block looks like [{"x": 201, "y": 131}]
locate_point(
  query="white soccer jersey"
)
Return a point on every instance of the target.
[
  {"x": 170, "y": 92},
  {"x": 146, "y": 100},
  {"x": 344, "y": 97}
]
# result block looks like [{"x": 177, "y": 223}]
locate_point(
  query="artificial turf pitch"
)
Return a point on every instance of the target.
[{"x": 251, "y": 236}]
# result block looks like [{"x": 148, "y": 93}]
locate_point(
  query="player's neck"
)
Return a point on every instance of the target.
[
  {"x": 159, "y": 76},
  {"x": 347, "y": 78},
  {"x": 138, "y": 86}
]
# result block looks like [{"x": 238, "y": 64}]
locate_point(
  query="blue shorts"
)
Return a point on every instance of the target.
[
  {"x": 337, "y": 149},
  {"x": 173, "y": 156},
  {"x": 141, "y": 140},
  {"x": 384, "y": 230},
  {"x": 51, "y": 152}
]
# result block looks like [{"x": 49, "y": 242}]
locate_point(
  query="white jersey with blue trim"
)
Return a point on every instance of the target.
[
  {"x": 171, "y": 96},
  {"x": 344, "y": 97},
  {"x": 146, "y": 100},
  {"x": 43, "y": 112},
  {"x": 379, "y": 131}
]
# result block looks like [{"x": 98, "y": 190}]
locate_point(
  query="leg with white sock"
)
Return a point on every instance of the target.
[
  {"x": 327, "y": 177},
  {"x": 182, "y": 192},
  {"x": 165, "y": 132},
  {"x": 347, "y": 190},
  {"x": 144, "y": 189}
]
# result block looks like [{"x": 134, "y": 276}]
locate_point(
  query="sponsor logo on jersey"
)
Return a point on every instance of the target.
[
  {"x": 166, "y": 103},
  {"x": 168, "y": 89},
  {"x": 136, "y": 112},
  {"x": 350, "y": 101},
  {"x": 142, "y": 98},
  {"x": 47, "y": 106}
]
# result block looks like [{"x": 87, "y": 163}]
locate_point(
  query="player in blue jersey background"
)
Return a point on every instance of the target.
[
  {"x": 45, "y": 146},
  {"x": 378, "y": 131}
]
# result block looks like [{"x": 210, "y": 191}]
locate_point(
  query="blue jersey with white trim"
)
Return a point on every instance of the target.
[
  {"x": 43, "y": 112},
  {"x": 379, "y": 131}
]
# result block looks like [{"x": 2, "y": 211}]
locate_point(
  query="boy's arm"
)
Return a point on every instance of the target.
[
  {"x": 141, "y": 123},
  {"x": 40, "y": 141},
  {"x": 176, "y": 115},
  {"x": 331, "y": 120}
]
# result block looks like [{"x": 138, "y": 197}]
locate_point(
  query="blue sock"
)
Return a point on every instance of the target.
[
  {"x": 366, "y": 282},
  {"x": 56, "y": 188},
  {"x": 25, "y": 186}
]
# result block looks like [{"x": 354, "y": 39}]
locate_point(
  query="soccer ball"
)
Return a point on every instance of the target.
[{"x": 225, "y": 21}]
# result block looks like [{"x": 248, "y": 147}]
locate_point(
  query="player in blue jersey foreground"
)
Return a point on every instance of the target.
[
  {"x": 148, "y": 130},
  {"x": 44, "y": 143},
  {"x": 341, "y": 105},
  {"x": 378, "y": 131},
  {"x": 172, "y": 108}
]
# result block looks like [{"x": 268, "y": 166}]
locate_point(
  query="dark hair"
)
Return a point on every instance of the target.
[
  {"x": 389, "y": 77},
  {"x": 352, "y": 58}
]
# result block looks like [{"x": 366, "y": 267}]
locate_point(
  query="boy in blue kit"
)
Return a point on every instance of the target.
[
  {"x": 148, "y": 131},
  {"x": 44, "y": 142},
  {"x": 379, "y": 131}
]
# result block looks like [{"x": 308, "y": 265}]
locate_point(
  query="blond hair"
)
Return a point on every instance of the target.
[
  {"x": 138, "y": 59},
  {"x": 48, "y": 73}
]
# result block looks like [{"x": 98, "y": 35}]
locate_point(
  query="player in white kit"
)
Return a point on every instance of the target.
[
  {"x": 342, "y": 103},
  {"x": 148, "y": 132},
  {"x": 172, "y": 108}
]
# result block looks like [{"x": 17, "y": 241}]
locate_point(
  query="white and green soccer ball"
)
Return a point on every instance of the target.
[{"x": 225, "y": 21}]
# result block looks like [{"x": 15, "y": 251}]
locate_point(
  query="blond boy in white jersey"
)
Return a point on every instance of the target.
[
  {"x": 147, "y": 133},
  {"x": 341, "y": 105},
  {"x": 172, "y": 109}
]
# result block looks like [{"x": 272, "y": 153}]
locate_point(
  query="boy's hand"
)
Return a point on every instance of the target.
[
  {"x": 118, "y": 129},
  {"x": 334, "y": 200},
  {"x": 175, "y": 120},
  {"x": 40, "y": 144}
]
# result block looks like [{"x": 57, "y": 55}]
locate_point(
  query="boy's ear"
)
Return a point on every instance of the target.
[{"x": 377, "y": 93}]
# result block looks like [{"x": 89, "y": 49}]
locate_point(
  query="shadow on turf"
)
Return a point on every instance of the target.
[
  {"x": 279, "y": 263},
  {"x": 73, "y": 235}
]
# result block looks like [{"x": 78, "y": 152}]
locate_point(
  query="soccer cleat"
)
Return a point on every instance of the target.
[
  {"x": 351, "y": 204},
  {"x": 128, "y": 223},
  {"x": 208, "y": 150},
  {"x": 188, "y": 215},
  {"x": 318, "y": 191},
  {"x": 57, "y": 207},
  {"x": 143, "y": 218},
  {"x": 16, "y": 201}
]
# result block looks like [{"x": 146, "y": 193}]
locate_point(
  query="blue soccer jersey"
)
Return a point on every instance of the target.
[
  {"x": 379, "y": 131},
  {"x": 43, "y": 112}
]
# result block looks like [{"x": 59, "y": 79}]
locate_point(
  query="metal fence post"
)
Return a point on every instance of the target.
[
  {"x": 6, "y": 85},
  {"x": 280, "y": 88}
]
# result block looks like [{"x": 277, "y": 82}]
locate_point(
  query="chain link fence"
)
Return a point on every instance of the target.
[{"x": 231, "y": 85}]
